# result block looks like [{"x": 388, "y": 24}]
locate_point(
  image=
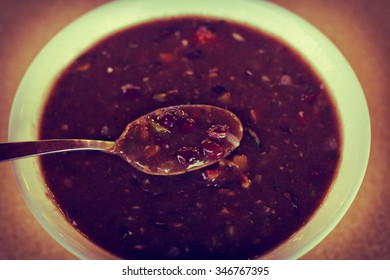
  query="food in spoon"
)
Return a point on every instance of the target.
[{"x": 178, "y": 139}]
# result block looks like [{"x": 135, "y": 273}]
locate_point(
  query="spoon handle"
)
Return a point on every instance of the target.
[{"x": 15, "y": 150}]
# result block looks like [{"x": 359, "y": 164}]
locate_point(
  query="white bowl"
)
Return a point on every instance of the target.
[{"x": 324, "y": 57}]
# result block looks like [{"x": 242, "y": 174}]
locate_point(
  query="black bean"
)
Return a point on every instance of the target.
[
  {"x": 218, "y": 131},
  {"x": 194, "y": 53},
  {"x": 170, "y": 118},
  {"x": 218, "y": 89},
  {"x": 285, "y": 129},
  {"x": 168, "y": 31},
  {"x": 212, "y": 150},
  {"x": 187, "y": 155}
]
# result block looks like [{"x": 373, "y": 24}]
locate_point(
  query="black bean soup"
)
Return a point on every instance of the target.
[{"x": 238, "y": 208}]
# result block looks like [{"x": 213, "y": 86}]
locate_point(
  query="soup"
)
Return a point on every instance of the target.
[{"x": 238, "y": 208}]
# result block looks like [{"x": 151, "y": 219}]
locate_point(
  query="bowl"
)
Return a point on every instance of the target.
[{"x": 317, "y": 50}]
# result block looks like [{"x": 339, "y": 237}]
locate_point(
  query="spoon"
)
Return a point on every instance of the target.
[{"x": 168, "y": 141}]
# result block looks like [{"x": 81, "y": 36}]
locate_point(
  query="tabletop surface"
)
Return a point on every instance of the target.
[{"x": 359, "y": 28}]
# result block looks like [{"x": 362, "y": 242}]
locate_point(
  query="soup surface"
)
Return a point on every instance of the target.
[{"x": 237, "y": 208}]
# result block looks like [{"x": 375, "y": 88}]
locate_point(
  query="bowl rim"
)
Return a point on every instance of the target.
[{"x": 279, "y": 22}]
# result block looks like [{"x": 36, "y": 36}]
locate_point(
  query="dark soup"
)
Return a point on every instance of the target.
[{"x": 238, "y": 208}]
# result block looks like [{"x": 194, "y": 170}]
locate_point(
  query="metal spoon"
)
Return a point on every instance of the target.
[{"x": 168, "y": 141}]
